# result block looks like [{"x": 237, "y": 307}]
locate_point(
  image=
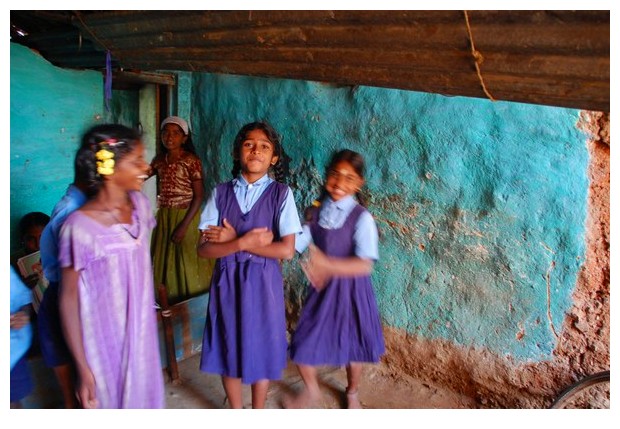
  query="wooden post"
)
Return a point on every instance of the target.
[{"x": 173, "y": 369}]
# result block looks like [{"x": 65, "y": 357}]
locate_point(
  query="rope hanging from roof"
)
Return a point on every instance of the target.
[{"x": 478, "y": 58}]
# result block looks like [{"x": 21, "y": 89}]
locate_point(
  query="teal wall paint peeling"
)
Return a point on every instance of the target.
[
  {"x": 50, "y": 110},
  {"x": 478, "y": 202}
]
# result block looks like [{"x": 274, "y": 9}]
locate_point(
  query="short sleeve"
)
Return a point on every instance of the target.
[
  {"x": 145, "y": 211},
  {"x": 78, "y": 246},
  {"x": 20, "y": 294},
  {"x": 156, "y": 163},
  {"x": 210, "y": 214},
  {"x": 195, "y": 169},
  {"x": 49, "y": 249},
  {"x": 366, "y": 237},
  {"x": 303, "y": 240},
  {"x": 289, "y": 218}
]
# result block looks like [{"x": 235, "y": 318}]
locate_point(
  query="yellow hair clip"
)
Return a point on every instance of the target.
[
  {"x": 104, "y": 154},
  {"x": 105, "y": 162}
]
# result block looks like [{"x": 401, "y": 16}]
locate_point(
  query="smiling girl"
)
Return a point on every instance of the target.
[
  {"x": 106, "y": 295},
  {"x": 339, "y": 323}
]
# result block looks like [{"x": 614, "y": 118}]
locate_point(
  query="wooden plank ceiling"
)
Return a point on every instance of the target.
[{"x": 558, "y": 58}]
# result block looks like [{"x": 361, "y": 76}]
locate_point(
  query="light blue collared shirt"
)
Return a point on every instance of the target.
[
  {"x": 247, "y": 194},
  {"x": 332, "y": 215}
]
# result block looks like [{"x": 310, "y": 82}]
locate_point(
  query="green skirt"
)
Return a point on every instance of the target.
[{"x": 178, "y": 266}]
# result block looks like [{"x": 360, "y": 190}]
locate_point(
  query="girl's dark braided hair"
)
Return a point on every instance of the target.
[
  {"x": 278, "y": 169},
  {"x": 115, "y": 138}
]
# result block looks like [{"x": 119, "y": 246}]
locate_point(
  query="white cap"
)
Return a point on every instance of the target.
[{"x": 176, "y": 120}]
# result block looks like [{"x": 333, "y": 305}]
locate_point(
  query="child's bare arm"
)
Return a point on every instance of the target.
[
  {"x": 20, "y": 318},
  {"x": 181, "y": 229},
  {"x": 319, "y": 267},
  {"x": 72, "y": 329},
  {"x": 284, "y": 249},
  {"x": 219, "y": 241}
]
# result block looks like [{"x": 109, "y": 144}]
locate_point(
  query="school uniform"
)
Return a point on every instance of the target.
[
  {"x": 340, "y": 324},
  {"x": 245, "y": 328}
]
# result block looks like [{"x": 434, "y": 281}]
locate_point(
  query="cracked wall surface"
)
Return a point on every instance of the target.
[
  {"x": 481, "y": 205},
  {"x": 494, "y": 217}
]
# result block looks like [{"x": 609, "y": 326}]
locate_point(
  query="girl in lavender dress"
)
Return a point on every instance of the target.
[
  {"x": 339, "y": 323},
  {"x": 249, "y": 224},
  {"x": 106, "y": 297}
]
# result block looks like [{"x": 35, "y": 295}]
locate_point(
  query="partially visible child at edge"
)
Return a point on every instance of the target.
[
  {"x": 30, "y": 228},
  {"x": 107, "y": 304},
  {"x": 54, "y": 349},
  {"x": 339, "y": 324},
  {"x": 21, "y": 338},
  {"x": 249, "y": 224},
  {"x": 181, "y": 192}
]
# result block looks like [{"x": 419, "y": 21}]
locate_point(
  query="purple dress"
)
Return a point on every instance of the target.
[
  {"x": 245, "y": 330},
  {"x": 340, "y": 324},
  {"x": 117, "y": 305}
]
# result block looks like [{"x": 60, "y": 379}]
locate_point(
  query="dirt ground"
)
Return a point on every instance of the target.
[
  {"x": 386, "y": 399},
  {"x": 378, "y": 390}
]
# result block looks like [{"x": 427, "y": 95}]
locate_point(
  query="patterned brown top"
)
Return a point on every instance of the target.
[{"x": 175, "y": 179}]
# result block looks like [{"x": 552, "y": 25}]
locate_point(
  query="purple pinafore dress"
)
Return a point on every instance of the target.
[
  {"x": 245, "y": 330},
  {"x": 340, "y": 324}
]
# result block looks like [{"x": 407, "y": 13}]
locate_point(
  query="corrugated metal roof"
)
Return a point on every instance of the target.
[{"x": 559, "y": 58}]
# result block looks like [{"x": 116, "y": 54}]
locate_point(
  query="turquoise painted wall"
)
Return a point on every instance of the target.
[
  {"x": 476, "y": 201},
  {"x": 50, "y": 110},
  {"x": 47, "y": 122},
  {"x": 182, "y": 102}
]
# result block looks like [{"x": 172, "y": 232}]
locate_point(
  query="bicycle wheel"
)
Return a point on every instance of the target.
[{"x": 589, "y": 392}]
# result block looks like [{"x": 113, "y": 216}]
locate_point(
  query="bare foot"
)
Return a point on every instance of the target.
[
  {"x": 304, "y": 399},
  {"x": 353, "y": 401}
]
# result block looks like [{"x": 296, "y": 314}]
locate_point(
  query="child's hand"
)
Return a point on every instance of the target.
[
  {"x": 316, "y": 268},
  {"x": 257, "y": 237},
  {"x": 178, "y": 234},
  {"x": 86, "y": 390},
  {"x": 19, "y": 319},
  {"x": 219, "y": 234}
]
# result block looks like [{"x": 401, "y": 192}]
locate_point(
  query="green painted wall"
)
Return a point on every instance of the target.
[
  {"x": 183, "y": 105},
  {"x": 474, "y": 199},
  {"x": 148, "y": 120},
  {"x": 50, "y": 110},
  {"x": 124, "y": 108}
]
